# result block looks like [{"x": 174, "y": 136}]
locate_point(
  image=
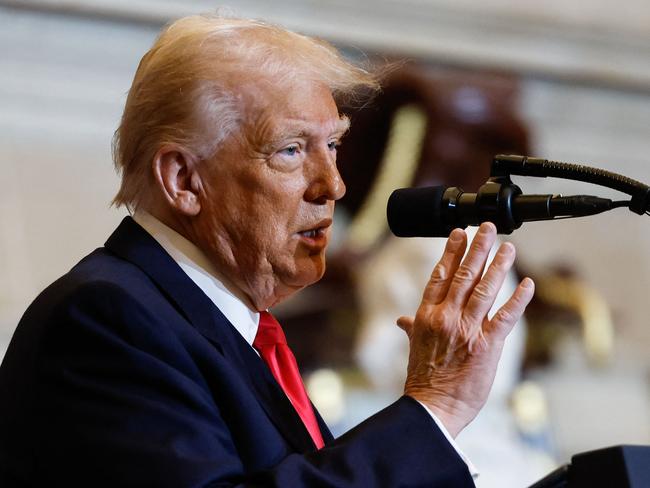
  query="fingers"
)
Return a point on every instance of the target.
[
  {"x": 508, "y": 315},
  {"x": 485, "y": 292},
  {"x": 442, "y": 274},
  {"x": 470, "y": 270}
]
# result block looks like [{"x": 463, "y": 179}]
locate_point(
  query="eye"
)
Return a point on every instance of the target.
[
  {"x": 332, "y": 145},
  {"x": 290, "y": 150}
]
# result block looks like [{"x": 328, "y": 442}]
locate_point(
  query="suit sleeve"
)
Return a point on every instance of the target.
[{"x": 114, "y": 410}]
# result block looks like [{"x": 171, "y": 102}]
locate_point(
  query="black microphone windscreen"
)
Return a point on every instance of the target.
[{"x": 417, "y": 212}]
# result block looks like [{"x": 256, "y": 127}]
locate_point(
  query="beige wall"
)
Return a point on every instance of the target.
[{"x": 62, "y": 85}]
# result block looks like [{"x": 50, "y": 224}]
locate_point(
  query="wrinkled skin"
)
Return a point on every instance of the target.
[
  {"x": 275, "y": 178},
  {"x": 250, "y": 207},
  {"x": 454, "y": 346}
]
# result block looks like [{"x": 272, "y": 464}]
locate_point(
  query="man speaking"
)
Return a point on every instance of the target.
[{"x": 155, "y": 361}]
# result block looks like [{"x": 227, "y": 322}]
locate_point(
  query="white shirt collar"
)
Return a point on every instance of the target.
[{"x": 202, "y": 272}]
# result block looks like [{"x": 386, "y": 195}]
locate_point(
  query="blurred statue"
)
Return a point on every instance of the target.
[
  {"x": 426, "y": 128},
  {"x": 431, "y": 128}
]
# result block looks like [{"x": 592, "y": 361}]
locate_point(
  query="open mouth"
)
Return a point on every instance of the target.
[
  {"x": 313, "y": 233},
  {"x": 317, "y": 234}
]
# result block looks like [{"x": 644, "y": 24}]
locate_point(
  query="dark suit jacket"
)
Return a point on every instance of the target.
[{"x": 124, "y": 373}]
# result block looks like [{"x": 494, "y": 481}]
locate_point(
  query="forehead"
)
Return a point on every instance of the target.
[{"x": 292, "y": 110}]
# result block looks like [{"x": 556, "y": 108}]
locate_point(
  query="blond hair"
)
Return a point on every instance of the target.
[{"x": 183, "y": 92}]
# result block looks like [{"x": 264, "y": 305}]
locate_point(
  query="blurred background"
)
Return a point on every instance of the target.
[{"x": 559, "y": 80}]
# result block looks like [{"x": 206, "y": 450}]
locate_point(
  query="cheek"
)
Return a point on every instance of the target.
[
  {"x": 258, "y": 215},
  {"x": 270, "y": 227},
  {"x": 239, "y": 213}
]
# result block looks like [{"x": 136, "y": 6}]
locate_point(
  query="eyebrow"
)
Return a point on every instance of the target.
[
  {"x": 299, "y": 130},
  {"x": 342, "y": 126}
]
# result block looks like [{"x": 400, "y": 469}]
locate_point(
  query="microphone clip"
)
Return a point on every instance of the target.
[{"x": 493, "y": 202}]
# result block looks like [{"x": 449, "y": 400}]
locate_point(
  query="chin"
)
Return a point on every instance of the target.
[
  {"x": 308, "y": 271},
  {"x": 318, "y": 267}
]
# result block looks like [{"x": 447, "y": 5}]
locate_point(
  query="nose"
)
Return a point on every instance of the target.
[{"x": 325, "y": 182}]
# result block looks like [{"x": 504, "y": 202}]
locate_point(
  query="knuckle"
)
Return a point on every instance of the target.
[
  {"x": 439, "y": 275},
  {"x": 517, "y": 304},
  {"x": 483, "y": 291},
  {"x": 482, "y": 244},
  {"x": 463, "y": 274},
  {"x": 502, "y": 266},
  {"x": 504, "y": 316},
  {"x": 501, "y": 263}
]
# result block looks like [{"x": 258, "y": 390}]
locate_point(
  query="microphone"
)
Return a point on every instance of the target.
[{"x": 435, "y": 211}]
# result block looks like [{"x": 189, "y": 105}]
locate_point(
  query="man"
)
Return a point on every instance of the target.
[{"x": 136, "y": 367}]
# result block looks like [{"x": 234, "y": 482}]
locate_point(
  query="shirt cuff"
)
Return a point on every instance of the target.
[{"x": 472, "y": 469}]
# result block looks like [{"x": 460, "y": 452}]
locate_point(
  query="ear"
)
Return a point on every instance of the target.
[{"x": 178, "y": 180}]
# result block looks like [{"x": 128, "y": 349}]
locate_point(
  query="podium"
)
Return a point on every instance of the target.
[{"x": 612, "y": 467}]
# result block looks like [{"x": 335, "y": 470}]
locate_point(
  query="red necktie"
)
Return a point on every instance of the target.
[{"x": 271, "y": 343}]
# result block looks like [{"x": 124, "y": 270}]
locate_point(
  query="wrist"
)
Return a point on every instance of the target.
[{"x": 451, "y": 413}]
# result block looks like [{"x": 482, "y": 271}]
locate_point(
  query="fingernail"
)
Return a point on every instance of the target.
[
  {"x": 486, "y": 227},
  {"x": 456, "y": 236},
  {"x": 527, "y": 283},
  {"x": 507, "y": 248}
]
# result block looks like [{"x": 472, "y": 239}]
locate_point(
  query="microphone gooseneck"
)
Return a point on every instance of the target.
[
  {"x": 435, "y": 211},
  {"x": 509, "y": 164}
]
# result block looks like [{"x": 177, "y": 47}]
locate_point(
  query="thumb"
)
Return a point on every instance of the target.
[{"x": 406, "y": 324}]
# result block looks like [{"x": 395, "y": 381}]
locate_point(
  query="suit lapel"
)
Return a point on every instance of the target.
[
  {"x": 133, "y": 243},
  {"x": 324, "y": 429},
  {"x": 274, "y": 400}
]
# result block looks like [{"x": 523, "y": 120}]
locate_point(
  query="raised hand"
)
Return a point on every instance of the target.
[{"x": 454, "y": 346}]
